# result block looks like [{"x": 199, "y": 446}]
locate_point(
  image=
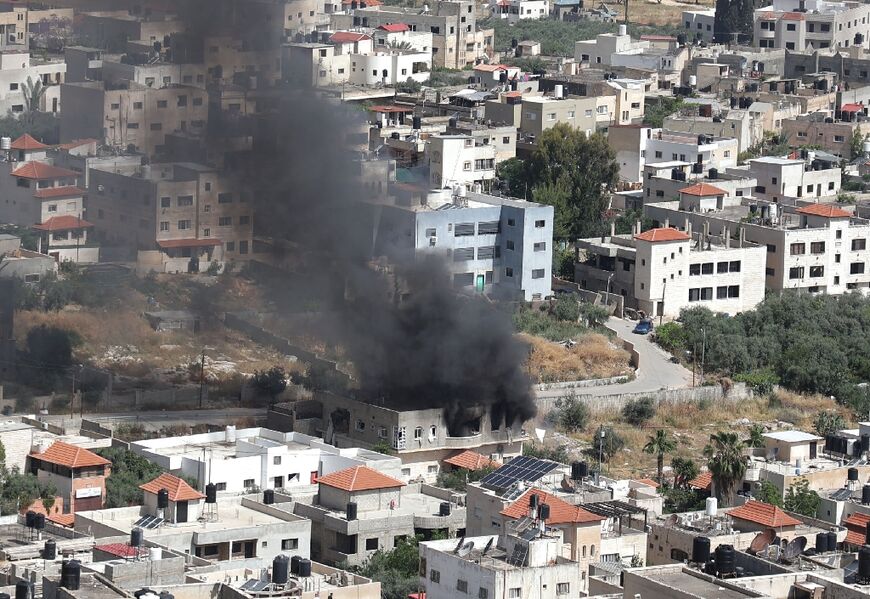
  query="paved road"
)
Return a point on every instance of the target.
[
  {"x": 163, "y": 418},
  {"x": 656, "y": 369}
]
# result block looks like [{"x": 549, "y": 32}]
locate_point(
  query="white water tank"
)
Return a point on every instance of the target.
[
  {"x": 623, "y": 30},
  {"x": 559, "y": 91},
  {"x": 693, "y": 80},
  {"x": 712, "y": 507},
  {"x": 5, "y": 143},
  {"x": 866, "y": 146},
  {"x": 231, "y": 433}
]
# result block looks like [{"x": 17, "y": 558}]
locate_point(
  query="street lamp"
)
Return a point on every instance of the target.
[{"x": 609, "y": 278}]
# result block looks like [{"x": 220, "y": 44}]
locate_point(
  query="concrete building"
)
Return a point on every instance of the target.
[
  {"x": 257, "y": 458},
  {"x": 822, "y": 24},
  {"x": 702, "y": 150},
  {"x": 114, "y": 28},
  {"x": 602, "y": 49},
  {"x": 698, "y": 24},
  {"x": 184, "y": 503},
  {"x": 25, "y": 265},
  {"x": 511, "y": 567},
  {"x": 131, "y": 115},
  {"x": 662, "y": 271},
  {"x": 79, "y": 474},
  {"x": 495, "y": 245},
  {"x": 16, "y": 67},
  {"x": 791, "y": 446},
  {"x": 663, "y": 181},
  {"x": 629, "y": 144},
  {"x": 459, "y": 160},
  {"x": 19, "y": 437},
  {"x": 822, "y": 129},
  {"x": 745, "y": 126},
  {"x": 518, "y": 10},
  {"x": 172, "y": 213},
  {"x": 539, "y": 113},
  {"x": 421, "y": 438},
  {"x": 387, "y": 511}
]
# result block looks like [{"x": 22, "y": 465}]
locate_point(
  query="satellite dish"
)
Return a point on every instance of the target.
[
  {"x": 459, "y": 545},
  {"x": 761, "y": 541},
  {"x": 795, "y": 548},
  {"x": 671, "y": 521},
  {"x": 466, "y": 548},
  {"x": 488, "y": 546}
]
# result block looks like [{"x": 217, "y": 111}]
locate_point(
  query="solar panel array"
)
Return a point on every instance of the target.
[
  {"x": 149, "y": 522},
  {"x": 841, "y": 494},
  {"x": 522, "y": 468}
]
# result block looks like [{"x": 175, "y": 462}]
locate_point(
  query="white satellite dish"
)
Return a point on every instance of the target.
[{"x": 466, "y": 548}]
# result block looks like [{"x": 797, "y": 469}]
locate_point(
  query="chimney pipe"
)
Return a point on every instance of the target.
[
  {"x": 612, "y": 229},
  {"x": 726, "y": 234},
  {"x": 689, "y": 228},
  {"x": 667, "y": 223},
  {"x": 637, "y": 227}
]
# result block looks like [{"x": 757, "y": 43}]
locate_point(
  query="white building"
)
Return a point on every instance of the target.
[
  {"x": 256, "y": 458},
  {"x": 699, "y": 24},
  {"x": 16, "y": 67},
  {"x": 601, "y": 50},
  {"x": 666, "y": 270},
  {"x": 703, "y": 151},
  {"x": 821, "y": 24},
  {"x": 781, "y": 178},
  {"x": 516, "y": 10},
  {"x": 402, "y": 35},
  {"x": 460, "y": 160},
  {"x": 511, "y": 567}
]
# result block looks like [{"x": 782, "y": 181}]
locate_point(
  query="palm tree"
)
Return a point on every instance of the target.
[
  {"x": 756, "y": 436},
  {"x": 685, "y": 469},
  {"x": 659, "y": 444},
  {"x": 33, "y": 93},
  {"x": 726, "y": 462}
]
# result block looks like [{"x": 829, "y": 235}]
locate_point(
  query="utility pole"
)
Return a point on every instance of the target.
[
  {"x": 201, "y": 378},
  {"x": 703, "y": 351},
  {"x": 600, "y": 446}
]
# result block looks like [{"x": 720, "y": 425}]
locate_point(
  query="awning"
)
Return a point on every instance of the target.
[{"x": 188, "y": 243}]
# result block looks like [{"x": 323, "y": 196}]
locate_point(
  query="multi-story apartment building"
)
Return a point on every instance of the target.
[
  {"x": 79, "y": 474},
  {"x": 745, "y": 126},
  {"x": 815, "y": 247},
  {"x": 703, "y": 151},
  {"x": 460, "y": 160},
  {"x": 781, "y": 178},
  {"x": 663, "y": 270},
  {"x": 588, "y": 114},
  {"x": 456, "y": 39},
  {"x": 178, "y": 211},
  {"x": 664, "y": 181},
  {"x": 822, "y": 129},
  {"x": 113, "y": 28},
  {"x": 16, "y": 67},
  {"x": 131, "y": 114},
  {"x": 518, "y": 10},
  {"x": 493, "y": 245},
  {"x": 699, "y": 24},
  {"x": 600, "y": 51},
  {"x": 812, "y": 24}
]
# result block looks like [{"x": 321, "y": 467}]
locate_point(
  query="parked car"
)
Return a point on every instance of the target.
[{"x": 644, "y": 327}]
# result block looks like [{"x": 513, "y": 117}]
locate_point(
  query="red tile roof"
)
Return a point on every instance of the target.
[
  {"x": 359, "y": 478},
  {"x": 187, "y": 243},
  {"x": 856, "y": 524},
  {"x": 702, "y": 190},
  {"x": 490, "y": 68},
  {"x": 471, "y": 460},
  {"x": 40, "y": 170},
  {"x": 702, "y": 482},
  {"x": 64, "y": 191},
  {"x": 346, "y": 37},
  {"x": 77, "y": 143},
  {"x": 662, "y": 234},
  {"x": 561, "y": 512},
  {"x": 71, "y": 456},
  {"x": 61, "y": 223},
  {"x": 794, "y": 16},
  {"x": 178, "y": 489},
  {"x": 395, "y": 27},
  {"x": 28, "y": 142},
  {"x": 118, "y": 549},
  {"x": 764, "y": 514},
  {"x": 852, "y": 108},
  {"x": 67, "y": 520},
  {"x": 647, "y": 481},
  {"x": 767, "y": 16},
  {"x": 825, "y": 210}
]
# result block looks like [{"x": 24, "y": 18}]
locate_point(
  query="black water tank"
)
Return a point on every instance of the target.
[
  {"x": 5, "y": 596},
  {"x": 211, "y": 493},
  {"x": 351, "y": 511},
  {"x": 681, "y": 39},
  {"x": 714, "y": 173},
  {"x": 725, "y": 558},
  {"x": 579, "y": 470},
  {"x": 294, "y": 563},
  {"x": 141, "y": 592},
  {"x": 29, "y": 519},
  {"x": 166, "y": 595},
  {"x": 733, "y": 101},
  {"x": 710, "y": 568},
  {"x": 39, "y": 521},
  {"x": 280, "y": 569},
  {"x": 71, "y": 574},
  {"x": 269, "y": 496},
  {"x": 416, "y": 122},
  {"x": 863, "y": 566},
  {"x": 162, "y": 499},
  {"x": 867, "y": 534},
  {"x": 514, "y": 43},
  {"x": 395, "y": 135},
  {"x": 49, "y": 551},
  {"x": 136, "y": 537},
  {"x": 544, "y": 512},
  {"x": 832, "y": 541},
  {"x": 853, "y": 474},
  {"x": 533, "y": 500},
  {"x": 444, "y": 508},
  {"x": 451, "y": 122},
  {"x": 821, "y": 542},
  {"x": 865, "y": 495},
  {"x": 304, "y": 568},
  {"x": 22, "y": 590},
  {"x": 700, "y": 550}
]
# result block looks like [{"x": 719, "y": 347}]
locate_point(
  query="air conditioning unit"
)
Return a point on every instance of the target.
[{"x": 433, "y": 241}]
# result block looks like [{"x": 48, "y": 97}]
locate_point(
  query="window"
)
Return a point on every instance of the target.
[
  {"x": 830, "y": 185},
  {"x": 132, "y": 125},
  {"x": 463, "y": 230},
  {"x": 817, "y": 271},
  {"x": 859, "y": 244},
  {"x": 508, "y": 271},
  {"x": 707, "y": 268},
  {"x": 540, "y": 246},
  {"x": 225, "y": 221},
  {"x": 185, "y": 201},
  {"x": 856, "y": 268},
  {"x": 798, "y": 249},
  {"x": 225, "y": 198},
  {"x": 734, "y": 266},
  {"x": 515, "y": 592},
  {"x": 288, "y": 544},
  {"x": 796, "y": 272},
  {"x": 790, "y": 27},
  {"x": 372, "y": 544},
  {"x": 248, "y": 482},
  {"x": 197, "y": 101},
  {"x": 706, "y": 293},
  {"x": 221, "y": 486},
  {"x": 538, "y": 273},
  {"x": 382, "y": 432},
  {"x": 164, "y": 225},
  {"x": 539, "y": 224},
  {"x": 722, "y": 292},
  {"x": 52, "y": 207},
  {"x": 435, "y": 576},
  {"x": 418, "y": 433},
  {"x": 182, "y": 101},
  {"x": 722, "y": 267},
  {"x": 509, "y": 244},
  {"x": 161, "y": 103},
  {"x": 165, "y": 202},
  {"x": 562, "y": 588},
  {"x": 839, "y": 138},
  {"x": 462, "y": 585},
  {"x": 771, "y": 248},
  {"x": 276, "y": 460},
  {"x": 243, "y": 247},
  {"x": 231, "y": 246},
  {"x": 183, "y": 225},
  {"x": 482, "y": 593},
  {"x": 156, "y": 126},
  {"x": 694, "y": 270}
]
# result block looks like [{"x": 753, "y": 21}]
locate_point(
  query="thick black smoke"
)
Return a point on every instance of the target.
[{"x": 432, "y": 348}]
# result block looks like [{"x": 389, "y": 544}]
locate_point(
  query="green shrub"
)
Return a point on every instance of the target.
[
  {"x": 760, "y": 381},
  {"x": 671, "y": 336},
  {"x": 567, "y": 308},
  {"x": 572, "y": 415},
  {"x": 638, "y": 411}
]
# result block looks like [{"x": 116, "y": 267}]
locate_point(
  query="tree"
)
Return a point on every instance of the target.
[
  {"x": 2, "y": 456},
  {"x": 567, "y": 307},
  {"x": 457, "y": 479},
  {"x": 563, "y": 263},
  {"x": 572, "y": 415},
  {"x": 655, "y": 113},
  {"x": 129, "y": 470},
  {"x": 33, "y": 93},
  {"x": 638, "y": 411},
  {"x": 769, "y": 493},
  {"x": 270, "y": 382},
  {"x": 594, "y": 314},
  {"x": 827, "y": 423},
  {"x": 733, "y": 20},
  {"x": 397, "y": 570},
  {"x": 659, "y": 444},
  {"x": 800, "y": 499},
  {"x": 756, "y": 436},
  {"x": 726, "y": 462},
  {"x": 685, "y": 469},
  {"x": 607, "y": 444},
  {"x": 856, "y": 144},
  {"x": 18, "y": 490},
  {"x": 44, "y": 126},
  {"x": 49, "y": 349}
]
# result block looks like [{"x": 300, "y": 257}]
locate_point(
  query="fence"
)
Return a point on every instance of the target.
[{"x": 736, "y": 392}]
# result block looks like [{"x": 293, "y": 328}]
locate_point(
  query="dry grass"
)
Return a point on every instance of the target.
[
  {"x": 593, "y": 357},
  {"x": 667, "y": 12}
]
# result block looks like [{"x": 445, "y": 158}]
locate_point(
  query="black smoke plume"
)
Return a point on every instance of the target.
[{"x": 424, "y": 347}]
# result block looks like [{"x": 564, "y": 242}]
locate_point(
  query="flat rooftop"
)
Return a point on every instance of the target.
[{"x": 696, "y": 586}]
